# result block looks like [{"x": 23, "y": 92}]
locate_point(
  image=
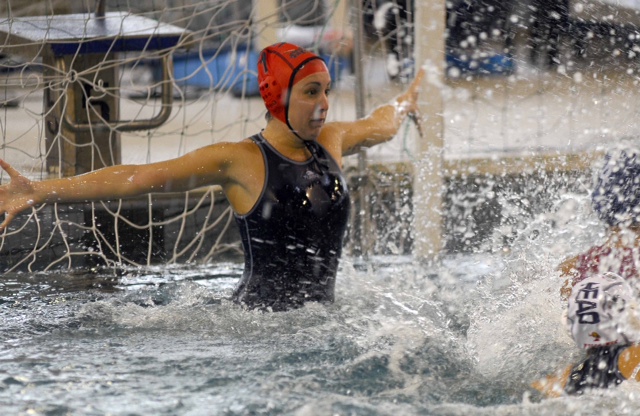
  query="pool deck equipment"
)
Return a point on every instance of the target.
[
  {"x": 80, "y": 56},
  {"x": 81, "y": 99}
]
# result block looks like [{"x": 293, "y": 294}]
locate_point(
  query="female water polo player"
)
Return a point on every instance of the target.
[
  {"x": 601, "y": 317},
  {"x": 285, "y": 184},
  {"x": 616, "y": 200}
]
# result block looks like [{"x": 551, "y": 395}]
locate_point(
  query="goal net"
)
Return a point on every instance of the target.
[
  {"x": 91, "y": 84},
  {"x": 94, "y": 83}
]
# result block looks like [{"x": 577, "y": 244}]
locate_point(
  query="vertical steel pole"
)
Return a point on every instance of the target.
[
  {"x": 428, "y": 178},
  {"x": 265, "y": 21},
  {"x": 358, "y": 47},
  {"x": 363, "y": 208}
]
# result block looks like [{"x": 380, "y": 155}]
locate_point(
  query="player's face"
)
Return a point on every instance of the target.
[{"x": 309, "y": 103}]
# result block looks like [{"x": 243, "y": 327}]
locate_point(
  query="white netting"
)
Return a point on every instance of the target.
[
  {"x": 523, "y": 78},
  {"x": 75, "y": 98}
]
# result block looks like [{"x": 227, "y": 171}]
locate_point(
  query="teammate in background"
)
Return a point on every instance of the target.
[
  {"x": 285, "y": 184},
  {"x": 602, "y": 319},
  {"x": 616, "y": 199}
]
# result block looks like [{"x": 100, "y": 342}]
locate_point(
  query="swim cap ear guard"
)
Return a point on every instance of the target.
[
  {"x": 616, "y": 195},
  {"x": 280, "y": 66},
  {"x": 600, "y": 311}
]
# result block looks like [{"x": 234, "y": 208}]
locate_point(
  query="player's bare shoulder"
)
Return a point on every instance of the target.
[
  {"x": 248, "y": 150},
  {"x": 229, "y": 154},
  {"x": 243, "y": 158},
  {"x": 331, "y": 138}
]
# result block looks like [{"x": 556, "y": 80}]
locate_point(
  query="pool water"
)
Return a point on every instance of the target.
[{"x": 465, "y": 337}]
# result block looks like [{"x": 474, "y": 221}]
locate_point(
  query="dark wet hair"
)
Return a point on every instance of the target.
[{"x": 616, "y": 195}]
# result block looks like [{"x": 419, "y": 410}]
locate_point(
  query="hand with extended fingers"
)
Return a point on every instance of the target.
[
  {"x": 407, "y": 103},
  {"x": 15, "y": 196}
]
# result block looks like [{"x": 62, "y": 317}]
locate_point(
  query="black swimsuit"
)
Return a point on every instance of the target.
[
  {"x": 598, "y": 370},
  {"x": 292, "y": 237}
]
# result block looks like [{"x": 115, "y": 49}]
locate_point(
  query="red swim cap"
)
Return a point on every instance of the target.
[{"x": 280, "y": 66}]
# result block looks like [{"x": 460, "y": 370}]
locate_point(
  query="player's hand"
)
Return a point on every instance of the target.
[
  {"x": 15, "y": 196},
  {"x": 408, "y": 101}
]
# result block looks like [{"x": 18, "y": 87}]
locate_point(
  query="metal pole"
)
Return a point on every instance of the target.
[
  {"x": 428, "y": 178},
  {"x": 265, "y": 21},
  {"x": 363, "y": 206},
  {"x": 100, "y": 9},
  {"x": 357, "y": 58}
]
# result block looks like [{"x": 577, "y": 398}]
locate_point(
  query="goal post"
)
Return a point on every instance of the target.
[{"x": 428, "y": 177}]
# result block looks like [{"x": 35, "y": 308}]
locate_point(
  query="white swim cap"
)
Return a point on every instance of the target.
[{"x": 598, "y": 311}]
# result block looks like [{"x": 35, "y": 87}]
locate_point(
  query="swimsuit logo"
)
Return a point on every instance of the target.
[{"x": 310, "y": 175}]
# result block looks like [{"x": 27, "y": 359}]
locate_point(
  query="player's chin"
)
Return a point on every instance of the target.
[
  {"x": 311, "y": 134},
  {"x": 315, "y": 127}
]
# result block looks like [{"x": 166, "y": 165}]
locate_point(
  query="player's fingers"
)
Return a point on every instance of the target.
[
  {"x": 9, "y": 169},
  {"x": 7, "y": 219},
  {"x": 418, "y": 79}
]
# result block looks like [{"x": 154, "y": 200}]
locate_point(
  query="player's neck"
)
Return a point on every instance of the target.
[{"x": 285, "y": 141}]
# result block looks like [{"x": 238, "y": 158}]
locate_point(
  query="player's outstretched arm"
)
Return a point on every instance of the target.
[
  {"x": 380, "y": 125},
  {"x": 205, "y": 166}
]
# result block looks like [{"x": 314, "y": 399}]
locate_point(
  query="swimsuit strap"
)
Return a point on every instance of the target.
[{"x": 313, "y": 148}]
